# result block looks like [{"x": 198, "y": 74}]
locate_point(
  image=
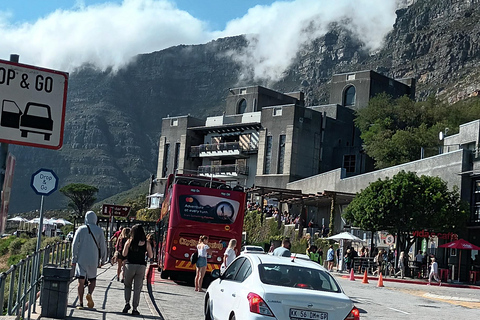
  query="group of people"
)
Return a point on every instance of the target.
[{"x": 132, "y": 248}]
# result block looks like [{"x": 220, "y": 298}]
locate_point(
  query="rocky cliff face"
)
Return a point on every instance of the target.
[{"x": 113, "y": 119}]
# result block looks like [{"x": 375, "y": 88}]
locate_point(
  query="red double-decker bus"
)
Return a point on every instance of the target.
[{"x": 195, "y": 206}]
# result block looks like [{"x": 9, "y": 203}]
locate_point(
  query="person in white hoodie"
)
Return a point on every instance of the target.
[{"x": 89, "y": 248}]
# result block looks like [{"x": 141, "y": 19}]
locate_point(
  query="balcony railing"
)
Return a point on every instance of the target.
[
  {"x": 226, "y": 169},
  {"x": 226, "y": 147}
]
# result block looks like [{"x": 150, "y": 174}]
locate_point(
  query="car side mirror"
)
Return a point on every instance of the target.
[{"x": 215, "y": 273}]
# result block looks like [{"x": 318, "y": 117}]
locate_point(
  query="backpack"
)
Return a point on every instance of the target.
[{"x": 194, "y": 257}]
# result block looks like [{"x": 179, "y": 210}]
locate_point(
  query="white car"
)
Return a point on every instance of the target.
[
  {"x": 271, "y": 287},
  {"x": 251, "y": 249}
]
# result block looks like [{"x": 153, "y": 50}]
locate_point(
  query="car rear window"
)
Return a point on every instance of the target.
[
  {"x": 254, "y": 249},
  {"x": 297, "y": 277}
]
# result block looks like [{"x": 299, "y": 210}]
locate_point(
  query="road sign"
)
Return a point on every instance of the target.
[
  {"x": 44, "y": 182},
  {"x": 390, "y": 239},
  {"x": 32, "y": 105},
  {"x": 114, "y": 210}
]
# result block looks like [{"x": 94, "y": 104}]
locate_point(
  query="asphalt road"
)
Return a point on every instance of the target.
[{"x": 393, "y": 301}]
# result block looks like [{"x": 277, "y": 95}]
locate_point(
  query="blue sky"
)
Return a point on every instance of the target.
[
  {"x": 216, "y": 12},
  {"x": 65, "y": 34}
]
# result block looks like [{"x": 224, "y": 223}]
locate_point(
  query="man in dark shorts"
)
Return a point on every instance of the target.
[{"x": 88, "y": 249}]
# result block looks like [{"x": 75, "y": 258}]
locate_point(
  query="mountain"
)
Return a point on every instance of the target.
[{"x": 113, "y": 118}]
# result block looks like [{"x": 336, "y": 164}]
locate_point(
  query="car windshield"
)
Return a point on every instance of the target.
[{"x": 297, "y": 277}]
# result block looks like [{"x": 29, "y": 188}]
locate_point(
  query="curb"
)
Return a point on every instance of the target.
[{"x": 444, "y": 284}]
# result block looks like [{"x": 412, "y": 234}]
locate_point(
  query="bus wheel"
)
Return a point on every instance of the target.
[{"x": 164, "y": 274}]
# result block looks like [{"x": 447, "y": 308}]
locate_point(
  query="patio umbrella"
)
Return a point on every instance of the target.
[
  {"x": 459, "y": 244},
  {"x": 345, "y": 236},
  {"x": 61, "y": 221},
  {"x": 19, "y": 220}
]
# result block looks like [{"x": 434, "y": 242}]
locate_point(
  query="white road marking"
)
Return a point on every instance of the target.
[{"x": 398, "y": 310}]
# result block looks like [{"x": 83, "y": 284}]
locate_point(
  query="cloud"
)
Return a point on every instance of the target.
[
  {"x": 111, "y": 34},
  {"x": 277, "y": 32}
]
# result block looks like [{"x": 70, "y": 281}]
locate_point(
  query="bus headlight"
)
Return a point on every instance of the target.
[
  {"x": 186, "y": 255},
  {"x": 219, "y": 259}
]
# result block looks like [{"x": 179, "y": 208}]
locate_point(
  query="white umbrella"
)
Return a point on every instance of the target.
[
  {"x": 19, "y": 219},
  {"x": 345, "y": 236},
  {"x": 37, "y": 221},
  {"x": 62, "y": 221}
]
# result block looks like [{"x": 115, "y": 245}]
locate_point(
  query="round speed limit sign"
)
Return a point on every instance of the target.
[{"x": 389, "y": 239}]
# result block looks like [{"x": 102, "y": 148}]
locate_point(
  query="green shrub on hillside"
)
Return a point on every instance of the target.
[
  {"x": 16, "y": 245},
  {"x": 29, "y": 247},
  {"x": 5, "y": 244},
  {"x": 15, "y": 259}
]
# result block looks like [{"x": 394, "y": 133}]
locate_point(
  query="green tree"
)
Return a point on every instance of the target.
[
  {"x": 138, "y": 205},
  {"x": 148, "y": 214},
  {"x": 406, "y": 203},
  {"x": 81, "y": 196}
]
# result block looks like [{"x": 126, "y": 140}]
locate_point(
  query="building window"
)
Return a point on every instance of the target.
[
  {"x": 350, "y": 77},
  {"x": 242, "y": 106},
  {"x": 166, "y": 152},
  {"x": 254, "y": 104},
  {"x": 281, "y": 154},
  {"x": 243, "y": 91},
  {"x": 177, "y": 156},
  {"x": 476, "y": 202},
  {"x": 277, "y": 111},
  {"x": 268, "y": 155},
  {"x": 349, "y": 163},
  {"x": 349, "y": 98},
  {"x": 174, "y": 123}
]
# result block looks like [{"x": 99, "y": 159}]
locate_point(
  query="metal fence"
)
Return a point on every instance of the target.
[{"x": 20, "y": 285}]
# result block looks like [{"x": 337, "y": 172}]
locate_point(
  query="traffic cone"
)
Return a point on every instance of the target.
[
  {"x": 380, "y": 281},
  {"x": 365, "y": 277},
  {"x": 352, "y": 276}
]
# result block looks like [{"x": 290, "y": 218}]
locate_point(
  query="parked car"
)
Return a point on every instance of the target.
[
  {"x": 251, "y": 249},
  {"x": 270, "y": 287}
]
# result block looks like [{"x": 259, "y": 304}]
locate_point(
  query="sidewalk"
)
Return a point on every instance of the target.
[{"x": 109, "y": 300}]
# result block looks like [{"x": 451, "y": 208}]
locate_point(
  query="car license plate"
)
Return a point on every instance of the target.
[{"x": 307, "y": 314}]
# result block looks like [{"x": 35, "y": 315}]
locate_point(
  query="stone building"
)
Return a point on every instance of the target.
[{"x": 269, "y": 139}]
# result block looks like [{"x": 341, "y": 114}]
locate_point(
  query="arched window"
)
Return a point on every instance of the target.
[
  {"x": 242, "y": 105},
  {"x": 349, "y": 97}
]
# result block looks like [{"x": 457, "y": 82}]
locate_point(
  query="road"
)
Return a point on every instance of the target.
[{"x": 393, "y": 301}]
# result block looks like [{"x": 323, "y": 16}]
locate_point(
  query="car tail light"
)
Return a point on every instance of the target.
[
  {"x": 257, "y": 305},
  {"x": 353, "y": 315}
]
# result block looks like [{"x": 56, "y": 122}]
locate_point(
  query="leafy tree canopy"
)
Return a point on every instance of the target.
[
  {"x": 81, "y": 196},
  {"x": 407, "y": 203},
  {"x": 395, "y": 130}
]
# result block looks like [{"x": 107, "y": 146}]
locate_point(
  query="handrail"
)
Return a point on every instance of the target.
[{"x": 26, "y": 278}]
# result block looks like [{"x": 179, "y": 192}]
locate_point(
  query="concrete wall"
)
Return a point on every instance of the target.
[{"x": 447, "y": 166}]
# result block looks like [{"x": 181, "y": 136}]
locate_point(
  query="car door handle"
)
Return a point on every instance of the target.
[
  {"x": 221, "y": 290},
  {"x": 234, "y": 295}
]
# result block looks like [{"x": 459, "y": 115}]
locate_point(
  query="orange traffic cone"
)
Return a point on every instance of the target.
[
  {"x": 352, "y": 276},
  {"x": 380, "y": 281},
  {"x": 365, "y": 277}
]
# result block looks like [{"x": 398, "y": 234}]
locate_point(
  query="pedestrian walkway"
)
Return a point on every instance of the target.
[{"x": 109, "y": 300}]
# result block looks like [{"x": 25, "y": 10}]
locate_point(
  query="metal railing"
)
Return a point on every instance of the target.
[
  {"x": 20, "y": 285},
  {"x": 223, "y": 169},
  {"x": 220, "y": 147}
]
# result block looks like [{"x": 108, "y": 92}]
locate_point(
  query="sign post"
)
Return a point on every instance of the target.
[{"x": 115, "y": 211}]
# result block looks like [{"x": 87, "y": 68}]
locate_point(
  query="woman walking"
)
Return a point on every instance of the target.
[
  {"x": 229, "y": 254},
  {"x": 122, "y": 239},
  {"x": 203, "y": 251},
  {"x": 401, "y": 265},
  {"x": 135, "y": 264}
]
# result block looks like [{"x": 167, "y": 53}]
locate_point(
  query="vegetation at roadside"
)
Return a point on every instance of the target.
[{"x": 407, "y": 202}]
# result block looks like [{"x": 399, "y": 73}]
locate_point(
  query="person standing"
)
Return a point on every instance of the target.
[
  {"x": 284, "y": 250},
  {"x": 115, "y": 237},
  {"x": 401, "y": 265},
  {"x": 88, "y": 249},
  {"x": 121, "y": 240},
  {"x": 135, "y": 264},
  {"x": 434, "y": 272},
  {"x": 201, "y": 265},
  {"x": 330, "y": 257},
  {"x": 229, "y": 254}
]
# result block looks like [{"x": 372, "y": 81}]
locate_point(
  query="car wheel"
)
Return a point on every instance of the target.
[
  {"x": 208, "y": 313},
  {"x": 232, "y": 317}
]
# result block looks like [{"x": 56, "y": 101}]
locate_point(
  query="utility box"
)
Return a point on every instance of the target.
[{"x": 54, "y": 297}]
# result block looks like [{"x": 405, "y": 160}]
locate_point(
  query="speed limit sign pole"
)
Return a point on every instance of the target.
[{"x": 44, "y": 182}]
